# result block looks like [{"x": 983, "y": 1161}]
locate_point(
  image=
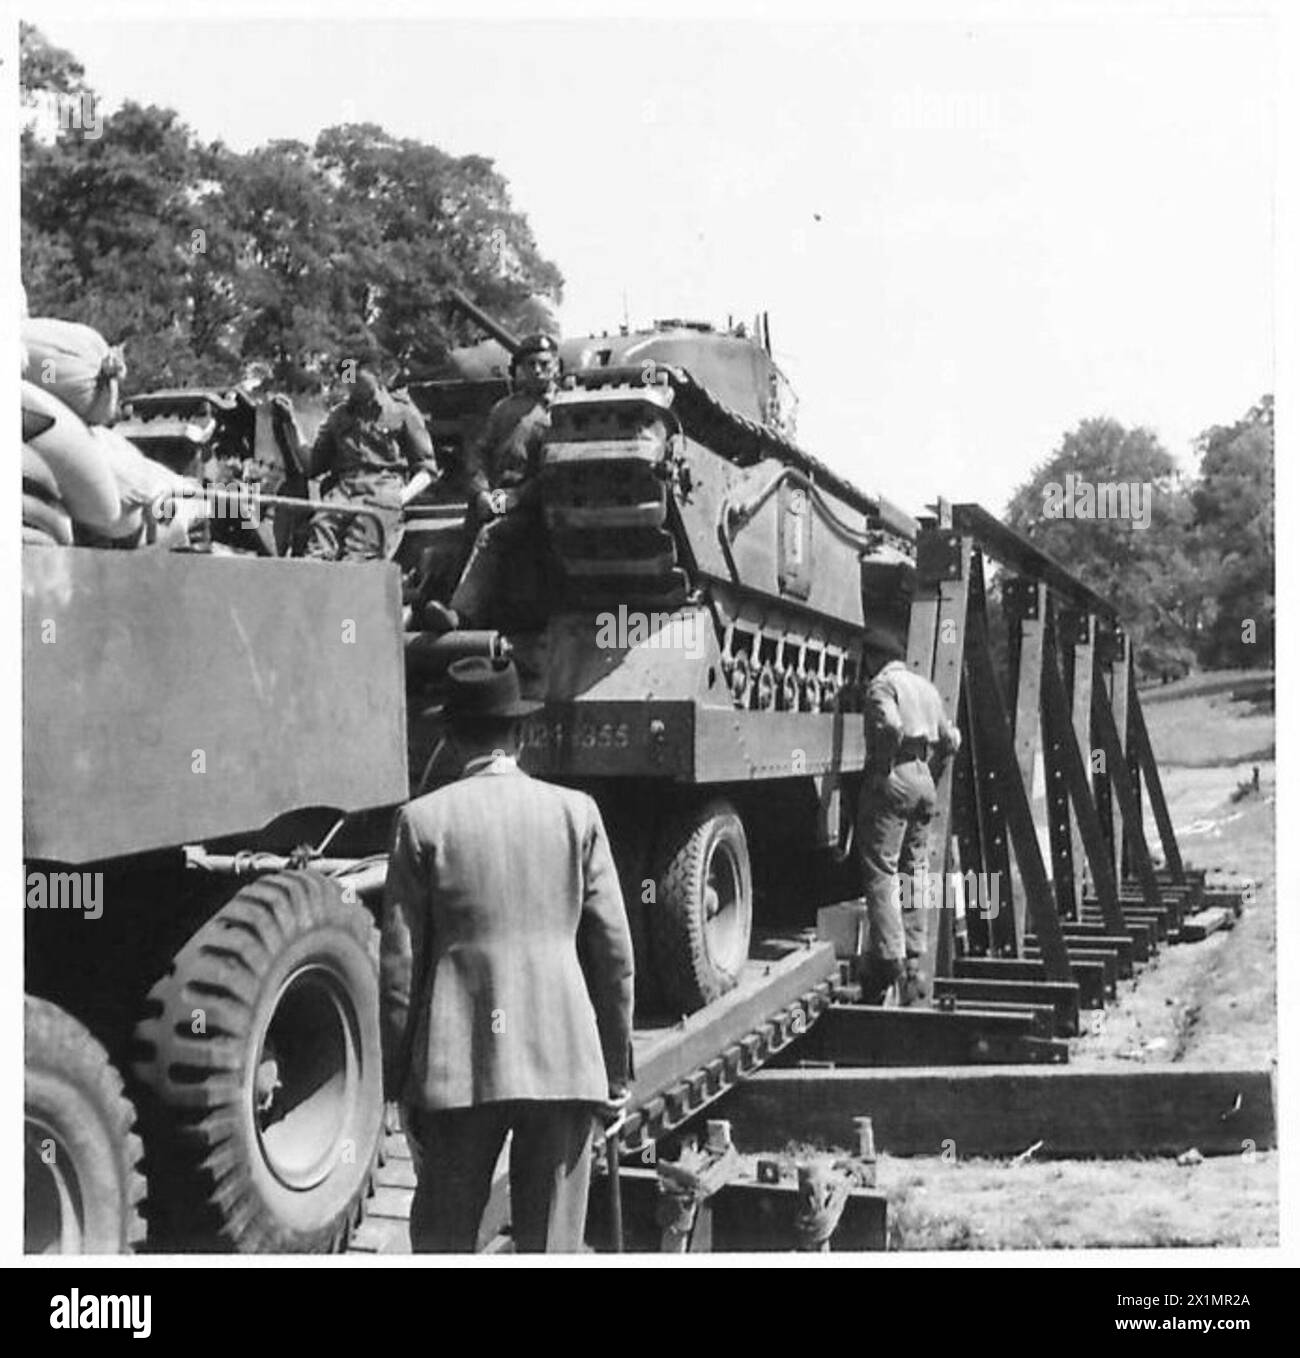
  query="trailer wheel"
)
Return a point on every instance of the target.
[
  {"x": 82, "y": 1183},
  {"x": 261, "y": 1055},
  {"x": 704, "y": 906}
]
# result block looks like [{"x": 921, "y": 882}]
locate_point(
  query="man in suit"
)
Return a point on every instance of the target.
[{"x": 505, "y": 981}]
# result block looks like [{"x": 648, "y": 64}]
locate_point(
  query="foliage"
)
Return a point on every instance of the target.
[
  {"x": 214, "y": 266},
  {"x": 1233, "y": 503},
  {"x": 1147, "y": 571}
]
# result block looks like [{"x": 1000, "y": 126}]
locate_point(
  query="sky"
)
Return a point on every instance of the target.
[{"x": 968, "y": 235}]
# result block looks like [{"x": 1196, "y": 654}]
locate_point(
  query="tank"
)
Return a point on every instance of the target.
[{"x": 699, "y": 645}]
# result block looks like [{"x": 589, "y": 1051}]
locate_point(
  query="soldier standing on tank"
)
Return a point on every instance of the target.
[
  {"x": 504, "y": 489},
  {"x": 906, "y": 728},
  {"x": 367, "y": 448}
]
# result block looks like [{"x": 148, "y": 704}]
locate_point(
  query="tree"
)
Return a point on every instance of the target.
[
  {"x": 115, "y": 235},
  {"x": 43, "y": 66},
  {"x": 434, "y": 220},
  {"x": 1145, "y": 570},
  {"x": 1233, "y": 503},
  {"x": 294, "y": 282},
  {"x": 217, "y": 267}
]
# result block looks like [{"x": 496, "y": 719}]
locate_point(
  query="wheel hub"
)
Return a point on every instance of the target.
[
  {"x": 52, "y": 1206},
  {"x": 305, "y": 1078}
]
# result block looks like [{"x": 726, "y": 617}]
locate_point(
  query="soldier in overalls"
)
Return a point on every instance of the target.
[
  {"x": 367, "y": 448},
  {"x": 906, "y": 729},
  {"x": 504, "y": 489}
]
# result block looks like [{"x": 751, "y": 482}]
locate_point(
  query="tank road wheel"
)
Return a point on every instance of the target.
[
  {"x": 261, "y": 1054},
  {"x": 789, "y": 689},
  {"x": 740, "y": 680},
  {"x": 704, "y": 906},
  {"x": 765, "y": 688},
  {"x": 82, "y": 1184}
]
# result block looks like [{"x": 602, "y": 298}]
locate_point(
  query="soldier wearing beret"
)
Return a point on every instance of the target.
[{"x": 504, "y": 488}]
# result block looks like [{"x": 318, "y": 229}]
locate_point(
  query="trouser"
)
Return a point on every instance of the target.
[
  {"x": 339, "y": 537},
  {"x": 455, "y": 1151},
  {"x": 503, "y": 571},
  {"x": 894, "y": 842}
]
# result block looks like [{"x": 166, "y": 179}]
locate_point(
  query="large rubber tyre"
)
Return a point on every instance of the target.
[
  {"x": 265, "y": 1123},
  {"x": 83, "y": 1188},
  {"x": 704, "y": 906}
]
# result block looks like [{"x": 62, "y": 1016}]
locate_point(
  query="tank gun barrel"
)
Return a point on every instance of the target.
[{"x": 475, "y": 313}]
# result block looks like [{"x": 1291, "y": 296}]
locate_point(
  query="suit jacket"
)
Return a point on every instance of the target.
[{"x": 505, "y": 954}]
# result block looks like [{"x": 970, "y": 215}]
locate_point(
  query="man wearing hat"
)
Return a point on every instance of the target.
[
  {"x": 906, "y": 728},
  {"x": 367, "y": 448},
  {"x": 503, "y": 485},
  {"x": 505, "y": 981}
]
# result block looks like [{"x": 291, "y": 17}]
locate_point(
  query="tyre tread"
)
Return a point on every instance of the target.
[
  {"x": 76, "y": 1053},
  {"x": 221, "y": 967}
]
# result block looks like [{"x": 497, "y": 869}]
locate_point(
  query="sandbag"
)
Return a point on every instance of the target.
[
  {"x": 152, "y": 495},
  {"x": 34, "y": 537},
  {"x": 86, "y": 482},
  {"x": 37, "y": 476},
  {"x": 76, "y": 364},
  {"x": 140, "y": 480},
  {"x": 38, "y": 513}
]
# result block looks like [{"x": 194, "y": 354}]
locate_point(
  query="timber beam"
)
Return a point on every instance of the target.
[
  {"x": 862, "y": 1035},
  {"x": 1063, "y": 996},
  {"x": 1089, "y": 974},
  {"x": 1003, "y": 1110}
]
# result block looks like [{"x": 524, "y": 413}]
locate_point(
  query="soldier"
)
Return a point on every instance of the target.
[
  {"x": 367, "y": 447},
  {"x": 505, "y": 982},
  {"x": 906, "y": 728},
  {"x": 501, "y": 479}
]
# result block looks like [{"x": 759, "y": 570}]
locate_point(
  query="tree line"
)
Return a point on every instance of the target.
[
  {"x": 1193, "y": 578},
  {"x": 214, "y": 266}
]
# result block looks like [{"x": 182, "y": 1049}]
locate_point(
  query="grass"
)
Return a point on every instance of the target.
[
  {"x": 1218, "y": 725},
  {"x": 1206, "y": 683},
  {"x": 1101, "y": 1204}
]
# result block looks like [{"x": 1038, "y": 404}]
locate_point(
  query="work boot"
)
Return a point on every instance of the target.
[
  {"x": 437, "y": 617},
  {"x": 876, "y": 976},
  {"x": 915, "y": 986}
]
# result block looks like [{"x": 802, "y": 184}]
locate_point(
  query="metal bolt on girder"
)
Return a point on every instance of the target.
[
  {"x": 717, "y": 1136},
  {"x": 866, "y": 1138}
]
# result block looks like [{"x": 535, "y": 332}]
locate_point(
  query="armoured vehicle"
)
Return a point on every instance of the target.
[
  {"x": 698, "y": 637},
  {"x": 214, "y": 743}
]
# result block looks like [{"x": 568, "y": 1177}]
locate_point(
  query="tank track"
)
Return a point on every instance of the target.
[{"x": 613, "y": 460}]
